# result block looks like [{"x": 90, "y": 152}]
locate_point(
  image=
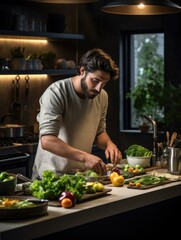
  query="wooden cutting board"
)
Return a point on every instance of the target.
[
  {"x": 86, "y": 197},
  {"x": 143, "y": 187}
]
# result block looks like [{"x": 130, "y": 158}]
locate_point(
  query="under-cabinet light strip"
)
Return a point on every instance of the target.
[
  {"x": 31, "y": 76},
  {"x": 34, "y": 41}
]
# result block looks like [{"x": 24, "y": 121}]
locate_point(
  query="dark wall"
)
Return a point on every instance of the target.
[{"x": 103, "y": 30}]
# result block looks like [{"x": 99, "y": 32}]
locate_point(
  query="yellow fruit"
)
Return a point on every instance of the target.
[
  {"x": 118, "y": 181},
  {"x": 113, "y": 175},
  {"x": 99, "y": 187}
]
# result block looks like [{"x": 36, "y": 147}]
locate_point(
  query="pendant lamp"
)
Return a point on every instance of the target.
[
  {"x": 141, "y": 7},
  {"x": 64, "y": 1}
]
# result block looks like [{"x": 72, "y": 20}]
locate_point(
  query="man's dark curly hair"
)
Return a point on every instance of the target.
[{"x": 97, "y": 59}]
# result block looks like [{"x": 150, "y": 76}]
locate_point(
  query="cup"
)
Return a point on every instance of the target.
[{"x": 174, "y": 160}]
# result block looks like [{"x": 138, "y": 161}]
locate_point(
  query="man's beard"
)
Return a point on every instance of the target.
[{"x": 89, "y": 94}]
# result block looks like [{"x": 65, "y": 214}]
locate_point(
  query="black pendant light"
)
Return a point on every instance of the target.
[{"x": 141, "y": 7}]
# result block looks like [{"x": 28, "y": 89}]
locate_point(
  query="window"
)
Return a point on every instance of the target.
[{"x": 142, "y": 77}]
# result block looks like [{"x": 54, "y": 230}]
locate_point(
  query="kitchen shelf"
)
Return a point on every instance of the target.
[
  {"x": 41, "y": 35},
  {"x": 45, "y": 71}
]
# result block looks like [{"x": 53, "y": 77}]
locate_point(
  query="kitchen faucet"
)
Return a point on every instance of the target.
[{"x": 155, "y": 151}]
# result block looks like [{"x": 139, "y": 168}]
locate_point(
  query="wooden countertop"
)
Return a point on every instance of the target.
[{"x": 119, "y": 200}]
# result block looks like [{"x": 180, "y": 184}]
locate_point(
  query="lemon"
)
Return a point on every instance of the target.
[
  {"x": 113, "y": 175},
  {"x": 118, "y": 181}
]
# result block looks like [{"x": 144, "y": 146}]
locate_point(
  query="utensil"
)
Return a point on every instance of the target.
[
  {"x": 17, "y": 105},
  {"x": 12, "y": 95},
  {"x": 24, "y": 178},
  {"x": 26, "y": 91},
  {"x": 168, "y": 137},
  {"x": 174, "y": 135}
]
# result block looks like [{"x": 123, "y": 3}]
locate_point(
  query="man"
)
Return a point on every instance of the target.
[{"x": 73, "y": 117}]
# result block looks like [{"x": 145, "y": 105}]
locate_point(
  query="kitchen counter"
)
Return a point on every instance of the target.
[{"x": 121, "y": 200}]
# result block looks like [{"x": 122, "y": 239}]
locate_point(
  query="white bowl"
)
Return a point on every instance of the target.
[{"x": 142, "y": 161}]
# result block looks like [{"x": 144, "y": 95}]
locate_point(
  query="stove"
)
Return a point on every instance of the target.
[{"x": 17, "y": 154}]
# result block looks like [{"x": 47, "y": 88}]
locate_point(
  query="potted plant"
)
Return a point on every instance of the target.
[
  {"x": 18, "y": 61},
  {"x": 34, "y": 62},
  {"x": 47, "y": 59}
]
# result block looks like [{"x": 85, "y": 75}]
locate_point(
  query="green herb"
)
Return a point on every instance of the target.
[
  {"x": 147, "y": 180},
  {"x": 138, "y": 151}
]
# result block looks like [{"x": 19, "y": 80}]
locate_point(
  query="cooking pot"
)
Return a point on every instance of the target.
[{"x": 12, "y": 130}]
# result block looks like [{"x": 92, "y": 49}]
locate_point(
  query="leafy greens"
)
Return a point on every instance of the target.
[
  {"x": 51, "y": 185},
  {"x": 136, "y": 150}
]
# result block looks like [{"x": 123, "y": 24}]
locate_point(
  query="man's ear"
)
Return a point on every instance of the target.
[{"x": 82, "y": 71}]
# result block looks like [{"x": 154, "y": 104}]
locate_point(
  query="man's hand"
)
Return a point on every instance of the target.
[{"x": 113, "y": 153}]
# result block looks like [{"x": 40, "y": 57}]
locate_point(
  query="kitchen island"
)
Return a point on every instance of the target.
[{"x": 123, "y": 211}]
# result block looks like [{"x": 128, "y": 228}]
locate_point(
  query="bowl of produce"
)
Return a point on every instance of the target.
[
  {"x": 8, "y": 183},
  {"x": 138, "y": 155},
  {"x": 141, "y": 161}
]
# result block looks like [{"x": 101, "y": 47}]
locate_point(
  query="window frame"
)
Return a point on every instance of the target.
[{"x": 125, "y": 75}]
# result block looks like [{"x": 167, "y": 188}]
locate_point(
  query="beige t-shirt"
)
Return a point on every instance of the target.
[{"x": 74, "y": 120}]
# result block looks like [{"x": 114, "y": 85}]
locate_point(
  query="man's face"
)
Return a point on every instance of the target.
[{"x": 93, "y": 83}]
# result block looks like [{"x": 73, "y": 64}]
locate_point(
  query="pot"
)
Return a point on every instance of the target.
[{"x": 12, "y": 130}]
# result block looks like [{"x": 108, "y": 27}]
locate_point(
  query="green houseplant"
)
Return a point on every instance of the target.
[
  {"x": 48, "y": 59},
  {"x": 167, "y": 100},
  {"x": 171, "y": 101},
  {"x": 18, "y": 61},
  {"x": 145, "y": 95}
]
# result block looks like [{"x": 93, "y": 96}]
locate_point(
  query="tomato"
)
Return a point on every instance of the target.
[
  {"x": 66, "y": 203},
  {"x": 138, "y": 184},
  {"x": 118, "y": 181},
  {"x": 130, "y": 169}
]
